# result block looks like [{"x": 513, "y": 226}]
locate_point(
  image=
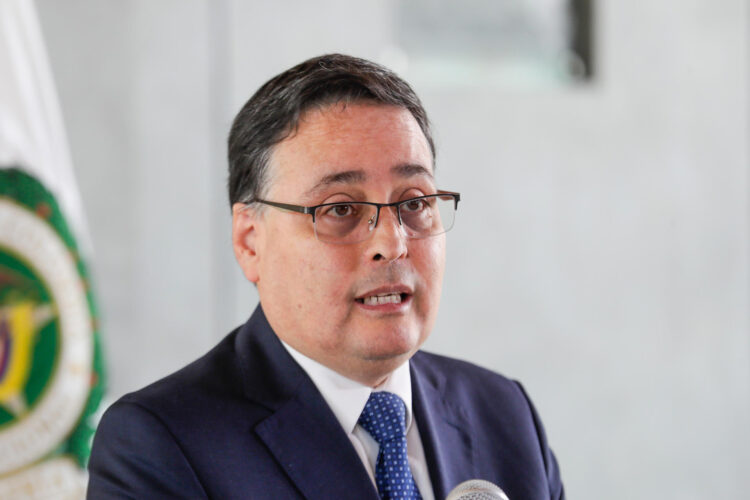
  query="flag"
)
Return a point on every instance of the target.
[{"x": 51, "y": 368}]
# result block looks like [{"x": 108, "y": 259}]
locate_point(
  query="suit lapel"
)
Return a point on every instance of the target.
[
  {"x": 448, "y": 446},
  {"x": 310, "y": 445},
  {"x": 301, "y": 432}
]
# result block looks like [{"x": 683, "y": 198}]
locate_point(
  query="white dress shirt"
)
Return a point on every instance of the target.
[{"x": 347, "y": 399}]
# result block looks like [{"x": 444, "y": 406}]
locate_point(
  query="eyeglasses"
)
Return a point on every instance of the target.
[{"x": 353, "y": 222}]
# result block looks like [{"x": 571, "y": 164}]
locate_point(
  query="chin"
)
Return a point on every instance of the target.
[{"x": 397, "y": 345}]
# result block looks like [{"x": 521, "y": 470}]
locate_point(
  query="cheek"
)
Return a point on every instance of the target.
[
  {"x": 430, "y": 263},
  {"x": 433, "y": 262},
  {"x": 323, "y": 276}
]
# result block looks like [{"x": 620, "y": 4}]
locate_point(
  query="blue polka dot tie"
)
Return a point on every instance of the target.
[{"x": 384, "y": 417}]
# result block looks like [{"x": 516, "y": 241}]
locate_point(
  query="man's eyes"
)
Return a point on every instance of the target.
[
  {"x": 342, "y": 210},
  {"x": 349, "y": 209}
]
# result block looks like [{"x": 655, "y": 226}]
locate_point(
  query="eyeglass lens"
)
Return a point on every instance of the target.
[{"x": 354, "y": 222}]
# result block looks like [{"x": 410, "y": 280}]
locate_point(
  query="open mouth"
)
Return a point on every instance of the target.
[{"x": 383, "y": 298}]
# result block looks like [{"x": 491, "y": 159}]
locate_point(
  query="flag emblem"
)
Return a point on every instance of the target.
[{"x": 50, "y": 366}]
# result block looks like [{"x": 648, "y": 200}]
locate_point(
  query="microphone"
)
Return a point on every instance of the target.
[{"x": 477, "y": 489}]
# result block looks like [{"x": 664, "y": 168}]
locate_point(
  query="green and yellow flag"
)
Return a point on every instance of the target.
[{"x": 51, "y": 370}]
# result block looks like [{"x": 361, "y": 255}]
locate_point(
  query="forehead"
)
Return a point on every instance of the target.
[{"x": 354, "y": 144}]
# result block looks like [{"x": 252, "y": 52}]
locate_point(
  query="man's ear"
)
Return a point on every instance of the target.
[{"x": 246, "y": 238}]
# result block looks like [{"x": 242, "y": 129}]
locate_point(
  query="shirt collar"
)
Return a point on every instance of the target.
[{"x": 346, "y": 397}]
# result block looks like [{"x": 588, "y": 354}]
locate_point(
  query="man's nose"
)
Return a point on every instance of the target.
[{"x": 388, "y": 242}]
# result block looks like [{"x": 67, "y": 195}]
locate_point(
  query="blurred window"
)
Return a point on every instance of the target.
[{"x": 493, "y": 42}]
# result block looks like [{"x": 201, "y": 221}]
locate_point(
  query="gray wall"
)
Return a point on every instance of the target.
[{"x": 601, "y": 251}]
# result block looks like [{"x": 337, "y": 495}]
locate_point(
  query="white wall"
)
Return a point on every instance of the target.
[{"x": 601, "y": 250}]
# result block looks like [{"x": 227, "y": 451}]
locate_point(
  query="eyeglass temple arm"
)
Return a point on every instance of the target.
[
  {"x": 456, "y": 196},
  {"x": 286, "y": 206}
]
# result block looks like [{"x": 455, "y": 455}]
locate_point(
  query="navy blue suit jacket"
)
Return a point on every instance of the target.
[{"x": 245, "y": 421}]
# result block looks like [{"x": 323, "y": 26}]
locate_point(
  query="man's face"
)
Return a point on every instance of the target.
[{"x": 313, "y": 293}]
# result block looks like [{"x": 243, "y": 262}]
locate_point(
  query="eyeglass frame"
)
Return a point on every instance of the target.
[{"x": 311, "y": 210}]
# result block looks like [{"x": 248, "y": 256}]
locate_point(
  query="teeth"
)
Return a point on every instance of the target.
[{"x": 388, "y": 298}]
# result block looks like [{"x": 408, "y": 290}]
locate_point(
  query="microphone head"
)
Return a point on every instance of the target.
[{"x": 477, "y": 489}]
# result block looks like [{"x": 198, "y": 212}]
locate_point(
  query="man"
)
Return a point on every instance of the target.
[{"x": 339, "y": 223}]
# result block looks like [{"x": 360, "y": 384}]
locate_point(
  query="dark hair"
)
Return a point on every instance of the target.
[{"x": 272, "y": 114}]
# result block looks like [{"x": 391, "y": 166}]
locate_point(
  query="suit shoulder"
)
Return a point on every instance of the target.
[
  {"x": 495, "y": 406},
  {"x": 468, "y": 384},
  {"x": 134, "y": 445},
  {"x": 437, "y": 365}
]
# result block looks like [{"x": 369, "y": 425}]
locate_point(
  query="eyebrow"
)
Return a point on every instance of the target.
[
  {"x": 410, "y": 170},
  {"x": 358, "y": 176}
]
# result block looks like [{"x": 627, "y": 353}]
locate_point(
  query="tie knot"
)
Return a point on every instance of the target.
[{"x": 384, "y": 417}]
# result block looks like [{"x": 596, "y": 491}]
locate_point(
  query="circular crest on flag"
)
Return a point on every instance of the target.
[{"x": 50, "y": 369}]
